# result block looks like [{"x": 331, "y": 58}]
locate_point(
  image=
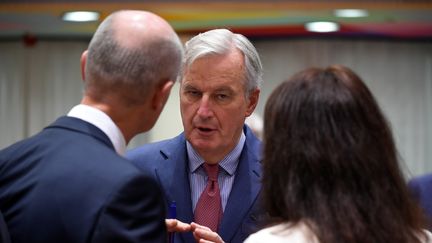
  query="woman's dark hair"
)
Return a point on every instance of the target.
[{"x": 330, "y": 161}]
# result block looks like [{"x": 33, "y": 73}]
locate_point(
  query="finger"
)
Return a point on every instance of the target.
[
  {"x": 205, "y": 233},
  {"x": 174, "y": 225},
  {"x": 205, "y": 241},
  {"x": 198, "y": 226},
  {"x": 170, "y": 224},
  {"x": 183, "y": 227}
]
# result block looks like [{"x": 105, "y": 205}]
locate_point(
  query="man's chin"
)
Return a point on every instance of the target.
[{"x": 202, "y": 145}]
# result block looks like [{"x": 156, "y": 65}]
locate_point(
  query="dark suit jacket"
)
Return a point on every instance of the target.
[
  {"x": 67, "y": 184},
  {"x": 168, "y": 161},
  {"x": 4, "y": 232},
  {"x": 421, "y": 189}
]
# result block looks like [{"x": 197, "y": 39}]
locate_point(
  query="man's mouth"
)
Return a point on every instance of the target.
[{"x": 204, "y": 129}]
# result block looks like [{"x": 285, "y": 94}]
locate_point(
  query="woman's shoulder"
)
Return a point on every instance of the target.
[
  {"x": 285, "y": 232},
  {"x": 428, "y": 235}
]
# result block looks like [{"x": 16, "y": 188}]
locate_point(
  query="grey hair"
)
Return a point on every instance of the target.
[
  {"x": 220, "y": 42},
  {"x": 136, "y": 70}
]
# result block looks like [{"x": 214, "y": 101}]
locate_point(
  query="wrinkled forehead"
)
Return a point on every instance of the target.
[
  {"x": 216, "y": 72},
  {"x": 217, "y": 64}
]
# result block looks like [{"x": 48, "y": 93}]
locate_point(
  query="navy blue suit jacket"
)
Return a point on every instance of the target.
[
  {"x": 421, "y": 189},
  {"x": 168, "y": 161},
  {"x": 67, "y": 184}
]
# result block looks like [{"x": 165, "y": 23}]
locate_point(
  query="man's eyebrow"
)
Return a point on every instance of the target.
[
  {"x": 224, "y": 89},
  {"x": 188, "y": 86}
]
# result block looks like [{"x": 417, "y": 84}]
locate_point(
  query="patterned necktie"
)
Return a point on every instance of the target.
[{"x": 208, "y": 211}]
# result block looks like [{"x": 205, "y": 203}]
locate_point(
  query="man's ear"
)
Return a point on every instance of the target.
[
  {"x": 252, "y": 101},
  {"x": 83, "y": 64},
  {"x": 161, "y": 94}
]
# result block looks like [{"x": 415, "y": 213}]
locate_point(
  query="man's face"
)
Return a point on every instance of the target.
[{"x": 214, "y": 105}]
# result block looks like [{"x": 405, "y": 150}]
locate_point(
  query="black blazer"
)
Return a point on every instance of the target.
[
  {"x": 421, "y": 189},
  {"x": 4, "y": 232},
  {"x": 67, "y": 184}
]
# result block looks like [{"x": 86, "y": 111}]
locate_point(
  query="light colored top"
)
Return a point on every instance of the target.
[
  {"x": 102, "y": 121},
  {"x": 198, "y": 177},
  {"x": 299, "y": 233}
]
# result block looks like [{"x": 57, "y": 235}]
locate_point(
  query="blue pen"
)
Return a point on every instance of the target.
[{"x": 172, "y": 214}]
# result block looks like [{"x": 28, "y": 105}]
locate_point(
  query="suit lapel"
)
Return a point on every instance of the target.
[
  {"x": 173, "y": 176},
  {"x": 245, "y": 189}
]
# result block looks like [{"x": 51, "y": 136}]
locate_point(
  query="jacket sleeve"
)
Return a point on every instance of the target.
[
  {"x": 135, "y": 213},
  {"x": 414, "y": 189}
]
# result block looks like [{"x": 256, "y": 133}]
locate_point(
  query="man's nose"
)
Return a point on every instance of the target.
[{"x": 204, "y": 109}]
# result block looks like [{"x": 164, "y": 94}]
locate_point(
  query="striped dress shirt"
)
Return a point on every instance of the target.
[{"x": 198, "y": 177}]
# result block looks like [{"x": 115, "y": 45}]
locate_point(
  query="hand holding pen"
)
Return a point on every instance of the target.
[
  {"x": 173, "y": 225},
  {"x": 200, "y": 232},
  {"x": 172, "y": 215}
]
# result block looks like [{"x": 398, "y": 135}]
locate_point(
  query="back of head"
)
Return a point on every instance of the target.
[
  {"x": 221, "y": 42},
  {"x": 130, "y": 53},
  {"x": 330, "y": 160}
]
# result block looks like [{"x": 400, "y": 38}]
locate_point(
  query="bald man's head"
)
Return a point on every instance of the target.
[
  {"x": 133, "y": 51},
  {"x": 133, "y": 27}
]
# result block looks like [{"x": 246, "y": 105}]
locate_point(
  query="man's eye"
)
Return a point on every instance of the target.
[
  {"x": 192, "y": 93},
  {"x": 222, "y": 96}
]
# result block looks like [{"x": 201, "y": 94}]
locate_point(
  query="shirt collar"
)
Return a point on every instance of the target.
[
  {"x": 229, "y": 163},
  {"x": 102, "y": 121}
]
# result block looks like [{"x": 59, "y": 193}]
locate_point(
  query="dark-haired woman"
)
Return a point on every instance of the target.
[{"x": 331, "y": 170}]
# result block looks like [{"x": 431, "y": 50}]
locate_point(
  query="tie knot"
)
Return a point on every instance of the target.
[{"x": 212, "y": 171}]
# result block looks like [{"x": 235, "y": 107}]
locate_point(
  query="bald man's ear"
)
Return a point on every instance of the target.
[
  {"x": 161, "y": 95},
  {"x": 83, "y": 64}
]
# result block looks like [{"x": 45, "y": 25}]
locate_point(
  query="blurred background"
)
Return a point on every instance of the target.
[{"x": 388, "y": 43}]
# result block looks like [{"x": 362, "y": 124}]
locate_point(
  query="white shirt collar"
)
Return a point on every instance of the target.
[{"x": 102, "y": 121}]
